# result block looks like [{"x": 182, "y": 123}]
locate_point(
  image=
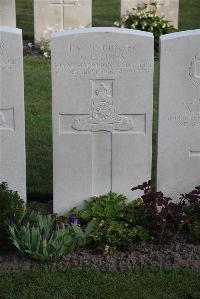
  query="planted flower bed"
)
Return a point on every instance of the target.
[{"x": 108, "y": 232}]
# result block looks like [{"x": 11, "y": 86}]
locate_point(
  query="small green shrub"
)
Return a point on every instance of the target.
[
  {"x": 115, "y": 221},
  {"x": 10, "y": 204},
  {"x": 45, "y": 238},
  {"x": 147, "y": 20}
]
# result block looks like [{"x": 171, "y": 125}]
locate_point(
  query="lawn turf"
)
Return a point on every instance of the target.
[{"x": 132, "y": 284}]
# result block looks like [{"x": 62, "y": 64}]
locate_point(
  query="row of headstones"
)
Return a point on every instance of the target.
[
  {"x": 102, "y": 82},
  {"x": 55, "y": 15}
]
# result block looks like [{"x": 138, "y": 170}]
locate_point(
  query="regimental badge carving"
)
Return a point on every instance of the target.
[
  {"x": 194, "y": 70},
  {"x": 103, "y": 114}
]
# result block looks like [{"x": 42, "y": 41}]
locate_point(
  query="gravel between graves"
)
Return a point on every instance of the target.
[{"x": 143, "y": 255}]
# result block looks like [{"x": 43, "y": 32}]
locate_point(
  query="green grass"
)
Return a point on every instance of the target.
[
  {"x": 189, "y": 15},
  {"x": 140, "y": 284},
  {"x": 38, "y": 127},
  {"x": 38, "y": 92},
  {"x": 25, "y": 19},
  {"x": 105, "y": 12}
]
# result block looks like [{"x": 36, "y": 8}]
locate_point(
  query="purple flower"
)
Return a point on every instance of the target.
[
  {"x": 73, "y": 219},
  {"x": 10, "y": 219}
]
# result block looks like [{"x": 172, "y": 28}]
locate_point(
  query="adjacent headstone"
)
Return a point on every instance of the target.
[
  {"x": 179, "y": 113},
  {"x": 102, "y": 112},
  {"x": 55, "y": 15},
  {"x": 7, "y": 13},
  {"x": 12, "y": 123},
  {"x": 165, "y": 8}
]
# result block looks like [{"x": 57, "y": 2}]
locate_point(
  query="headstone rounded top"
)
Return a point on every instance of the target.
[
  {"x": 101, "y": 30},
  {"x": 180, "y": 34},
  {"x": 10, "y": 30}
]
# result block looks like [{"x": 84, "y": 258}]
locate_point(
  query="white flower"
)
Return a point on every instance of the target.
[
  {"x": 116, "y": 24},
  {"x": 42, "y": 48},
  {"x": 46, "y": 55},
  {"x": 30, "y": 45}
]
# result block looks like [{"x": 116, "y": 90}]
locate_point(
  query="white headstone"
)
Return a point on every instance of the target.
[
  {"x": 12, "y": 123},
  {"x": 179, "y": 113},
  {"x": 167, "y": 8},
  {"x": 55, "y": 15},
  {"x": 102, "y": 112},
  {"x": 7, "y": 13}
]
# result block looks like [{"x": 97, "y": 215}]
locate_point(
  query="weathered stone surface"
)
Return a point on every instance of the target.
[
  {"x": 55, "y": 15},
  {"x": 12, "y": 124},
  {"x": 102, "y": 112},
  {"x": 167, "y": 8},
  {"x": 179, "y": 113},
  {"x": 7, "y": 13}
]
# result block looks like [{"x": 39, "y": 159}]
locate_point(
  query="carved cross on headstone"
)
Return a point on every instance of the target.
[
  {"x": 102, "y": 122},
  {"x": 62, "y": 6}
]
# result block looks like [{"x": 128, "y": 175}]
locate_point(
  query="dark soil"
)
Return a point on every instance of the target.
[{"x": 143, "y": 255}]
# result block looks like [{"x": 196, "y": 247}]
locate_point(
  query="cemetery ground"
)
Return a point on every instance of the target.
[{"x": 80, "y": 283}]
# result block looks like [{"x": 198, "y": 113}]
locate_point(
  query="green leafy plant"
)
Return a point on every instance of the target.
[
  {"x": 45, "y": 238},
  {"x": 115, "y": 221},
  {"x": 147, "y": 20},
  {"x": 10, "y": 204}
]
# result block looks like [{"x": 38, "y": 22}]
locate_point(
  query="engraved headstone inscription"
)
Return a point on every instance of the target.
[
  {"x": 7, "y": 13},
  {"x": 55, "y": 15},
  {"x": 165, "y": 8},
  {"x": 179, "y": 113},
  {"x": 102, "y": 112},
  {"x": 12, "y": 123}
]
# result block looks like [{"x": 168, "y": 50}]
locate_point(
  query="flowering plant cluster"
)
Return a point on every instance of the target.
[
  {"x": 45, "y": 49},
  {"x": 147, "y": 20},
  {"x": 116, "y": 225},
  {"x": 107, "y": 222},
  {"x": 45, "y": 237}
]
